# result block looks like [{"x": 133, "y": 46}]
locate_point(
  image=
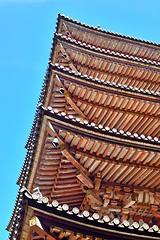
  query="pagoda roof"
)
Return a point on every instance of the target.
[
  {"x": 106, "y": 67},
  {"x": 104, "y": 51},
  {"x": 128, "y": 90},
  {"x": 96, "y": 37},
  {"x": 105, "y": 157},
  {"x": 103, "y": 99},
  {"x": 91, "y": 223},
  {"x": 99, "y": 30}
]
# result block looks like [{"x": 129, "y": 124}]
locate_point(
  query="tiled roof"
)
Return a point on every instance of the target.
[
  {"x": 108, "y": 52},
  {"x": 101, "y": 81},
  {"x": 105, "y": 221},
  {"x": 106, "y": 31},
  {"x": 103, "y": 129}
]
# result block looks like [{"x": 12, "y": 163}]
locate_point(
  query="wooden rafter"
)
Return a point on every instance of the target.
[
  {"x": 84, "y": 179},
  {"x": 113, "y": 43},
  {"x": 114, "y": 107},
  {"x": 114, "y": 160},
  {"x": 103, "y": 57},
  {"x": 89, "y": 133}
]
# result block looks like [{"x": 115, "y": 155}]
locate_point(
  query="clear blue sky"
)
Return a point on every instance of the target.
[{"x": 27, "y": 28}]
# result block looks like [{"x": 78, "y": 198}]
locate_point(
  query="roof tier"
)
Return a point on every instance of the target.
[
  {"x": 111, "y": 42},
  {"x": 71, "y": 223},
  {"x": 83, "y": 167},
  {"x": 113, "y": 108},
  {"x": 109, "y": 68}
]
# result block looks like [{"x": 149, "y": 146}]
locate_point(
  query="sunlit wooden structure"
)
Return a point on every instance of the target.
[{"x": 92, "y": 169}]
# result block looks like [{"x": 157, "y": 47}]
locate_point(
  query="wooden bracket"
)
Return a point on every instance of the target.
[
  {"x": 97, "y": 181},
  {"x": 93, "y": 197},
  {"x": 65, "y": 151},
  {"x": 68, "y": 98},
  {"x": 106, "y": 200},
  {"x": 68, "y": 58},
  {"x": 35, "y": 226},
  {"x": 84, "y": 205},
  {"x": 130, "y": 201}
]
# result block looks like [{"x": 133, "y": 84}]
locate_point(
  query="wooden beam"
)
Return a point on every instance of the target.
[
  {"x": 70, "y": 157},
  {"x": 66, "y": 29},
  {"x": 53, "y": 133},
  {"x": 73, "y": 67},
  {"x": 115, "y": 108},
  {"x": 69, "y": 98},
  {"x": 35, "y": 226},
  {"x": 117, "y": 209},
  {"x": 114, "y": 160},
  {"x": 63, "y": 51},
  {"x": 65, "y": 150},
  {"x": 73, "y": 105},
  {"x": 131, "y": 187},
  {"x": 50, "y": 130},
  {"x": 36, "y": 237},
  {"x": 93, "y": 197},
  {"x": 34, "y": 221},
  {"x": 84, "y": 179}
]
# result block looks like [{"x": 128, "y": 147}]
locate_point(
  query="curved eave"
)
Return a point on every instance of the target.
[
  {"x": 99, "y": 30},
  {"x": 83, "y": 224},
  {"x": 117, "y": 57},
  {"x": 101, "y": 86},
  {"x": 15, "y": 215},
  {"x": 109, "y": 53},
  {"x": 66, "y": 124}
]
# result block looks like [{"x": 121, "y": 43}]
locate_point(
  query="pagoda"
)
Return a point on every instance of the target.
[{"x": 92, "y": 168}]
